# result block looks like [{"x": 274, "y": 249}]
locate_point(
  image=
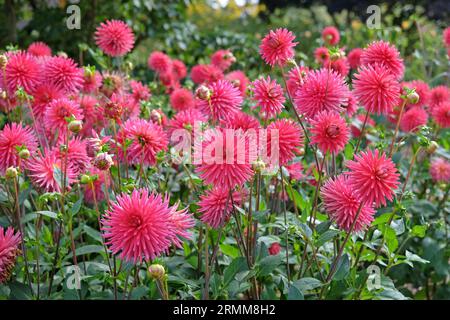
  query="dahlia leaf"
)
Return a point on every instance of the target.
[
  {"x": 237, "y": 265},
  {"x": 295, "y": 293},
  {"x": 342, "y": 268}
]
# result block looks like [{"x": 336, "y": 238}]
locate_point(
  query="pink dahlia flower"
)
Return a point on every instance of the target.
[
  {"x": 216, "y": 206},
  {"x": 287, "y": 140},
  {"x": 225, "y": 100},
  {"x": 114, "y": 37},
  {"x": 446, "y": 37},
  {"x": 351, "y": 106},
  {"x": 322, "y": 91},
  {"x": 185, "y": 120},
  {"x": 241, "y": 120},
  {"x": 422, "y": 89},
  {"x": 160, "y": 62},
  {"x": 9, "y": 250},
  {"x": 341, "y": 66},
  {"x": 295, "y": 79},
  {"x": 322, "y": 55},
  {"x": 373, "y": 176},
  {"x": 441, "y": 114},
  {"x": 22, "y": 70},
  {"x": 139, "y": 91},
  {"x": 342, "y": 204},
  {"x": 45, "y": 171},
  {"x": 277, "y": 47},
  {"x": 204, "y": 73},
  {"x": 223, "y": 158},
  {"x": 438, "y": 95},
  {"x": 13, "y": 137},
  {"x": 330, "y": 132},
  {"x": 39, "y": 49},
  {"x": 354, "y": 58},
  {"x": 43, "y": 95},
  {"x": 76, "y": 155},
  {"x": 413, "y": 119},
  {"x": 269, "y": 96},
  {"x": 381, "y": 52},
  {"x": 376, "y": 89},
  {"x": 331, "y": 35},
  {"x": 58, "y": 111},
  {"x": 223, "y": 59},
  {"x": 147, "y": 140},
  {"x": 440, "y": 170},
  {"x": 143, "y": 225},
  {"x": 295, "y": 170},
  {"x": 239, "y": 80},
  {"x": 91, "y": 82},
  {"x": 64, "y": 74},
  {"x": 182, "y": 99},
  {"x": 179, "y": 69},
  {"x": 274, "y": 249}
]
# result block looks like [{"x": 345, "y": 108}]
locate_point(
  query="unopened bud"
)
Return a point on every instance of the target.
[
  {"x": 259, "y": 165},
  {"x": 413, "y": 97},
  {"x": 156, "y": 271},
  {"x": 335, "y": 56},
  {"x": 62, "y": 54},
  {"x": 156, "y": 116},
  {"x": 24, "y": 154},
  {"x": 3, "y": 61},
  {"x": 75, "y": 126},
  {"x": 103, "y": 161},
  {"x": 85, "y": 179},
  {"x": 11, "y": 173},
  {"x": 4, "y": 94},
  {"x": 291, "y": 62},
  {"x": 432, "y": 147},
  {"x": 203, "y": 93}
]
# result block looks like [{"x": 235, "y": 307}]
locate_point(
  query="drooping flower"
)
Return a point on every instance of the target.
[
  {"x": 322, "y": 55},
  {"x": 342, "y": 205},
  {"x": 441, "y": 114},
  {"x": 13, "y": 137},
  {"x": 438, "y": 95},
  {"x": 216, "y": 206},
  {"x": 239, "y": 80},
  {"x": 58, "y": 111},
  {"x": 323, "y": 90},
  {"x": 422, "y": 89},
  {"x": 9, "y": 250},
  {"x": 64, "y": 74},
  {"x": 179, "y": 69},
  {"x": 269, "y": 96},
  {"x": 440, "y": 170},
  {"x": 204, "y": 73},
  {"x": 223, "y": 59},
  {"x": 381, "y": 52},
  {"x": 160, "y": 62},
  {"x": 376, "y": 89},
  {"x": 285, "y": 138},
  {"x": 114, "y": 37},
  {"x": 146, "y": 141},
  {"x": 43, "y": 95},
  {"x": 358, "y": 124},
  {"x": 182, "y": 99},
  {"x": 22, "y": 70},
  {"x": 223, "y": 158},
  {"x": 39, "y": 49},
  {"x": 373, "y": 177},
  {"x": 354, "y": 58},
  {"x": 143, "y": 225},
  {"x": 331, "y": 35},
  {"x": 330, "y": 132},
  {"x": 225, "y": 100},
  {"x": 413, "y": 119},
  {"x": 45, "y": 171},
  {"x": 277, "y": 47}
]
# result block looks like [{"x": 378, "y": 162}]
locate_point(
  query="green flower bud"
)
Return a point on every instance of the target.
[{"x": 157, "y": 271}]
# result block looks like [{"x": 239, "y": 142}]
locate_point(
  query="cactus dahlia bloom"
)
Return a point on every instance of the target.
[
  {"x": 413, "y": 119},
  {"x": 438, "y": 95},
  {"x": 441, "y": 114},
  {"x": 216, "y": 206},
  {"x": 381, "y": 52},
  {"x": 146, "y": 141},
  {"x": 323, "y": 90},
  {"x": 223, "y": 158},
  {"x": 373, "y": 177},
  {"x": 331, "y": 35},
  {"x": 269, "y": 96},
  {"x": 376, "y": 89},
  {"x": 58, "y": 111},
  {"x": 354, "y": 58},
  {"x": 9, "y": 250},
  {"x": 330, "y": 132},
  {"x": 182, "y": 99},
  {"x": 22, "y": 70},
  {"x": 39, "y": 49},
  {"x": 114, "y": 37},
  {"x": 239, "y": 80},
  {"x": 286, "y": 138},
  {"x": 440, "y": 170},
  {"x": 223, "y": 59},
  {"x": 342, "y": 204},
  {"x": 277, "y": 47},
  {"x": 143, "y": 225},
  {"x": 160, "y": 62},
  {"x": 12, "y": 137},
  {"x": 64, "y": 74}
]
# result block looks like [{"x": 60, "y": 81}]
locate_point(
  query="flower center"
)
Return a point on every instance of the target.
[{"x": 333, "y": 130}]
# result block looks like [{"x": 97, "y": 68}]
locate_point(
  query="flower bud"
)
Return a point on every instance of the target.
[
  {"x": 432, "y": 147},
  {"x": 203, "y": 93},
  {"x": 3, "y": 61},
  {"x": 291, "y": 63},
  {"x": 63, "y": 148},
  {"x": 75, "y": 126},
  {"x": 103, "y": 161},
  {"x": 335, "y": 56},
  {"x": 156, "y": 271},
  {"x": 85, "y": 179},
  {"x": 62, "y": 54},
  {"x": 24, "y": 154},
  {"x": 156, "y": 116},
  {"x": 259, "y": 165},
  {"x": 11, "y": 173},
  {"x": 413, "y": 97}
]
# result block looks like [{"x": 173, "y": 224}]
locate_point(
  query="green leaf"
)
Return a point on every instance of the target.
[
  {"x": 268, "y": 264},
  {"x": 237, "y": 265},
  {"x": 94, "y": 234},
  {"x": 419, "y": 231},
  {"x": 382, "y": 219},
  {"x": 295, "y": 293},
  {"x": 89, "y": 249},
  {"x": 391, "y": 238},
  {"x": 414, "y": 257},
  {"x": 342, "y": 268},
  {"x": 326, "y": 236},
  {"x": 76, "y": 207},
  {"x": 229, "y": 250},
  {"x": 49, "y": 214},
  {"x": 348, "y": 151},
  {"x": 306, "y": 284}
]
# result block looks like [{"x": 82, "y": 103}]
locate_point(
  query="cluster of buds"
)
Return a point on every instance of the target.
[
  {"x": 203, "y": 93},
  {"x": 103, "y": 161}
]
